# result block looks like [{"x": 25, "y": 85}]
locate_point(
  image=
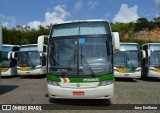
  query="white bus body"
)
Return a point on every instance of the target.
[
  {"x": 127, "y": 61},
  {"x": 9, "y": 62},
  {"x": 30, "y": 61},
  {"x": 80, "y": 60},
  {"x": 151, "y": 64}
]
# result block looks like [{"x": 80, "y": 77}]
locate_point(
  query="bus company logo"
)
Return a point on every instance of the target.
[
  {"x": 6, "y": 107},
  {"x": 91, "y": 80},
  {"x": 65, "y": 80}
]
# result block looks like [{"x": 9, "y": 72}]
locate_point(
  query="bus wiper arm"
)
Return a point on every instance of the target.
[{"x": 88, "y": 66}]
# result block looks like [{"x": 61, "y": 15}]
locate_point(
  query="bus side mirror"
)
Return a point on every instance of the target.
[
  {"x": 40, "y": 42},
  {"x": 9, "y": 55},
  {"x": 148, "y": 52},
  {"x": 143, "y": 54},
  {"x": 115, "y": 40},
  {"x": 14, "y": 55}
]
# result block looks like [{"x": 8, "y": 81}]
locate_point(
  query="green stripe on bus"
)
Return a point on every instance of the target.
[{"x": 98, "y": 79}]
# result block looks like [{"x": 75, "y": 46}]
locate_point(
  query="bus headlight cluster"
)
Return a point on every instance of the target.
[
  {"x": 106, "y": 82},
  {"x": 38, "y": 67},
  {"x": 54, "y": 83},
  {"x": 18, "y": 68},
  {"x": 138, "y": 69},
  {"x": 152, "y": 69}
]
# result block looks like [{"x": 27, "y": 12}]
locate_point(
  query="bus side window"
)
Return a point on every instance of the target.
[{"x": 43, "y": 60}]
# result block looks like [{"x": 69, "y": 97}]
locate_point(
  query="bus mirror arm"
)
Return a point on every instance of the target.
[
  {"x": 40, "y": 42},
  {"x": 148, "y": 52},
  {"x": 143, "y": 54},
  {"x": 10, "y": 56},
  {"x": 116, "y": 42}
]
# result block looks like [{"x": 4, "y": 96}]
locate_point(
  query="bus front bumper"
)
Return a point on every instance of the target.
[
  {"x": 154, "y": 74},
  {"x": 9, "y": 72},
  {"x": 32, "y": 72},
  {"x": 100, "y": 92},
  {"x": 127, "y": 75}
]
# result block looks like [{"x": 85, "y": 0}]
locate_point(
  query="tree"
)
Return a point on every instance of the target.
[{"x": 141, "y": 23}]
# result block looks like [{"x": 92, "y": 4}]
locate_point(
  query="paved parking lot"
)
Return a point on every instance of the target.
[{"x": 15, "y": 90}]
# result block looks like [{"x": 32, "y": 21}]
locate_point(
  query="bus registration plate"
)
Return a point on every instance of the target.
[
  {"x": 78, "y": 93},
  {"x": 126, "y": 75}
]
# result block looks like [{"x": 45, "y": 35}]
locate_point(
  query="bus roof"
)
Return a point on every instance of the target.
[
  {"x": 128, "y": 43},
  {"x": 10, "y": 45},
  {"x": 30, "y": 45},
  {"x": 150, "y": 43},
  {"x": 76, "y": 21}
]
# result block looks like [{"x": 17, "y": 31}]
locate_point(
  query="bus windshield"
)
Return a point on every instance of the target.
[
  {"x": 5, "y": 60},
  {"x": 80, "y": 56},
  {"x": 126, "y": 59},
  {"x": 28, "y": 58},
  {"x": 155, "y": 59}
]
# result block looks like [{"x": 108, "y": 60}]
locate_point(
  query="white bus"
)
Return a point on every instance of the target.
[
  {"x": 127, "y": 61},
  {"x": 1, "y": 42},
  {"x": 151, "y": 64},
  {"x": 80, "y": 59},
  {"x": 30, "y": 61},
  {"x": 9, "y": 60}
]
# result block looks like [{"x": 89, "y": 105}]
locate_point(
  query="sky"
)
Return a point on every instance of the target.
[{"x": 44, "y": 12}]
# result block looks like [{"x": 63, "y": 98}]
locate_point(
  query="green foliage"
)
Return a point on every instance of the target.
[
  {"x": 25, "y": 35},
  {"x": 142, "y": 23},
  {"x": 20, "y": 35},
  {"x": 139, "y": 41},
  {"x": 118, "y": 27}
]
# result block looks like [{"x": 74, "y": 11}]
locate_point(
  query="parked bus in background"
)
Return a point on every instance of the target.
[
  {"x": 80, "y": 59},
  {"x": 30, "y": 61},
  {"x": 1, "y": 42},
  {"x": 151, "y": 64},
  {"x": 9, "y": 60},
  {"x": 127, "y": 61}
]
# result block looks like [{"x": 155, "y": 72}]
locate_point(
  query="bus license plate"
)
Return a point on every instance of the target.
[
  {"x": 126, "y": 75},
  {"x": 78, "y": 93},
  {"x": 27, "y": 72}
]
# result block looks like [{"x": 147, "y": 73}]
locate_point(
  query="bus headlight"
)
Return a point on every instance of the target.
[
  {"x": 115, "y": 69},
  {"x": 152, "y": 69},
  {"x": 18, "y": 68},
  {"x": 106, "y": 82},
  {"x": 38, "y": 67},
  {"x": 138, "y": 70},
  {"x": 54, "y": 83}
]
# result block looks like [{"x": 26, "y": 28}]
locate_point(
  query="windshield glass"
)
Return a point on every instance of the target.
[
  {"x": 5, "y": 63},
  {"x": 28, "y": 58},
  {"x": 6, "y": 48},
  {"x": 126, "y": 59},
  {"x": 155, "y": 59},
  {"x": 80, "y": 56},
  {"x": 28, "y": 48}
]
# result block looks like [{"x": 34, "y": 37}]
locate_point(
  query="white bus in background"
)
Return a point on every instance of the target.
[
  {"x": 1, "y": 42},
  {"x": 80, "y": 59},
  {"x": 9, "y": 60},
  {"x": 30, "y": 61},
  {"x": 151, "y": 64},
  {"x": 127, "y": 61}
]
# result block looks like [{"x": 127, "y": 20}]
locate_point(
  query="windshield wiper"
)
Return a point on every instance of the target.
[{"x": 88, "y": 66}]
